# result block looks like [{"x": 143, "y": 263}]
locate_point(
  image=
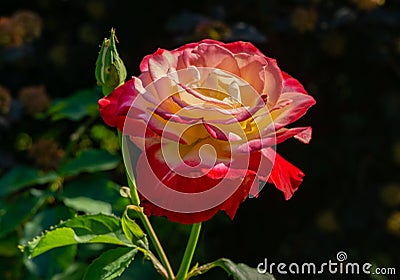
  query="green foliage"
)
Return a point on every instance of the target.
[
  {"x": 74, "y": 272},
  {"x": 140, "y": 270},
  {"x": 16, "y": 212},
  {"x": 56, "y": 261},
  {"x": 88, "y": 205},
  {"x": 23, "y": 176},
  {"x": 7, "y": 245},
  {"x": 90, "y": 160},
  {"x": 75, "y": 187},
  {"x": 110, "y": 264},
  {"x": 75, "y": 107},
  {"x": 106, "y": 137},
  {"x": 98, "y": 228},
  {"x": 88, "y": 229},
  {"x": 237, "y": 271},
  {"x": 95, "y": 187},
  {"x": 242, "y": 271}
]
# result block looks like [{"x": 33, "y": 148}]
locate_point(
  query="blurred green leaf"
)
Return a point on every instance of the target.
[
  {"x": 239, "y": 271},
  {"x": 44, "y": 219},
  {"x": 107, "y": 138},
  {"x": 18, "y": 211},
  {"x": 52, "y": 239},
  {"x": 140, "y": 270},
  {"x": 242, "y": 271},
  {"x": 90, "y": 161},
  {"x": 110, "y": 264},
  {"x": 77, "y": 106},
  {"x": 74, "y": 272},
  {"x": 8, "y": 245},
  {"x": 132, "y": 230},
  {"x": 55, "y": 261},
  {"x": 22, "y": 176},
  {"x": 98, "y": 228},
  {"x": 88, "y": 205},
  {"x": 97, "y": 187}
]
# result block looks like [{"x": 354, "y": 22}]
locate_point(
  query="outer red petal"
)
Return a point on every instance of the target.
[
  {"x": 234, "y": 47},
  {"x": 187, "y": 185},
  {"x": 114, "y": 107},
  {"x": 290, "y": 84},
  {"x": 285, "y": 176},
  {"x": 108, "y": 107}
]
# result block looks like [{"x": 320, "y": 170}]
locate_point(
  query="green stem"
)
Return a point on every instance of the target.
[
  {"x": 157, "y": 245},
  {"x": 156, "y": 263},
  {"x": 147, "y": 225},
  {"x": 135, "y": 200},
  {"x": 150, "y": 231},
  {"x": 189, "y": 252}
]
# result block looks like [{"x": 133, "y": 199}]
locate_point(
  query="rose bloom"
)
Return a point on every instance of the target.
[{"x": 207, "y": 116}]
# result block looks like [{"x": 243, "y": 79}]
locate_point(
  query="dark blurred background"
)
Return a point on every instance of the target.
[{"x": 346, "y": 54}]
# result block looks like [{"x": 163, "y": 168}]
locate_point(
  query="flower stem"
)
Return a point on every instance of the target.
[
  {"x": 157, "y": 245},
  {"x": 147, "y": 225},
  {"x": 150, "y": 231},
  {"x": 135, "y": 200},
  {"x": 189, "y": 252}
]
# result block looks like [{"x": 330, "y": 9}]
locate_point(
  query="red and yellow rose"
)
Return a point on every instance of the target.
[{"x": 206, "y": 118}]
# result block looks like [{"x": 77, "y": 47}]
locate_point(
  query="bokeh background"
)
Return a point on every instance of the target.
[{"x": 347, "y": 55}]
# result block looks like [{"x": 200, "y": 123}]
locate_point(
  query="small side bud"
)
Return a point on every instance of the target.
[{"x": 110, "y": 69}]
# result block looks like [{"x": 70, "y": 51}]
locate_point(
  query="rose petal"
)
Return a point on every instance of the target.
[
  {"x": 211, "y": 55},
  {"x": 303, "y": 134},
  {"x": 129, "y": 93},
  {"x": 290, "y": 84},
  {"x": 243, "y": 47},
  {"x": 285, "y": 176},
  {"x": 272, "y": 82},
  {"x": 215, "y": 132},
  {"x": 160, "y": 63},
  {"x": 186, "y": 185},
  {"x": 292, "y": 111},
  {"x": 110, "y": 105},
  {"x": 175, "y": 118},
  {"x": 252, "y": 69}
]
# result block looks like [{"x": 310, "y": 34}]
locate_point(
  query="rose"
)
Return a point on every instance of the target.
[{"x": 206, "y": 117}]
